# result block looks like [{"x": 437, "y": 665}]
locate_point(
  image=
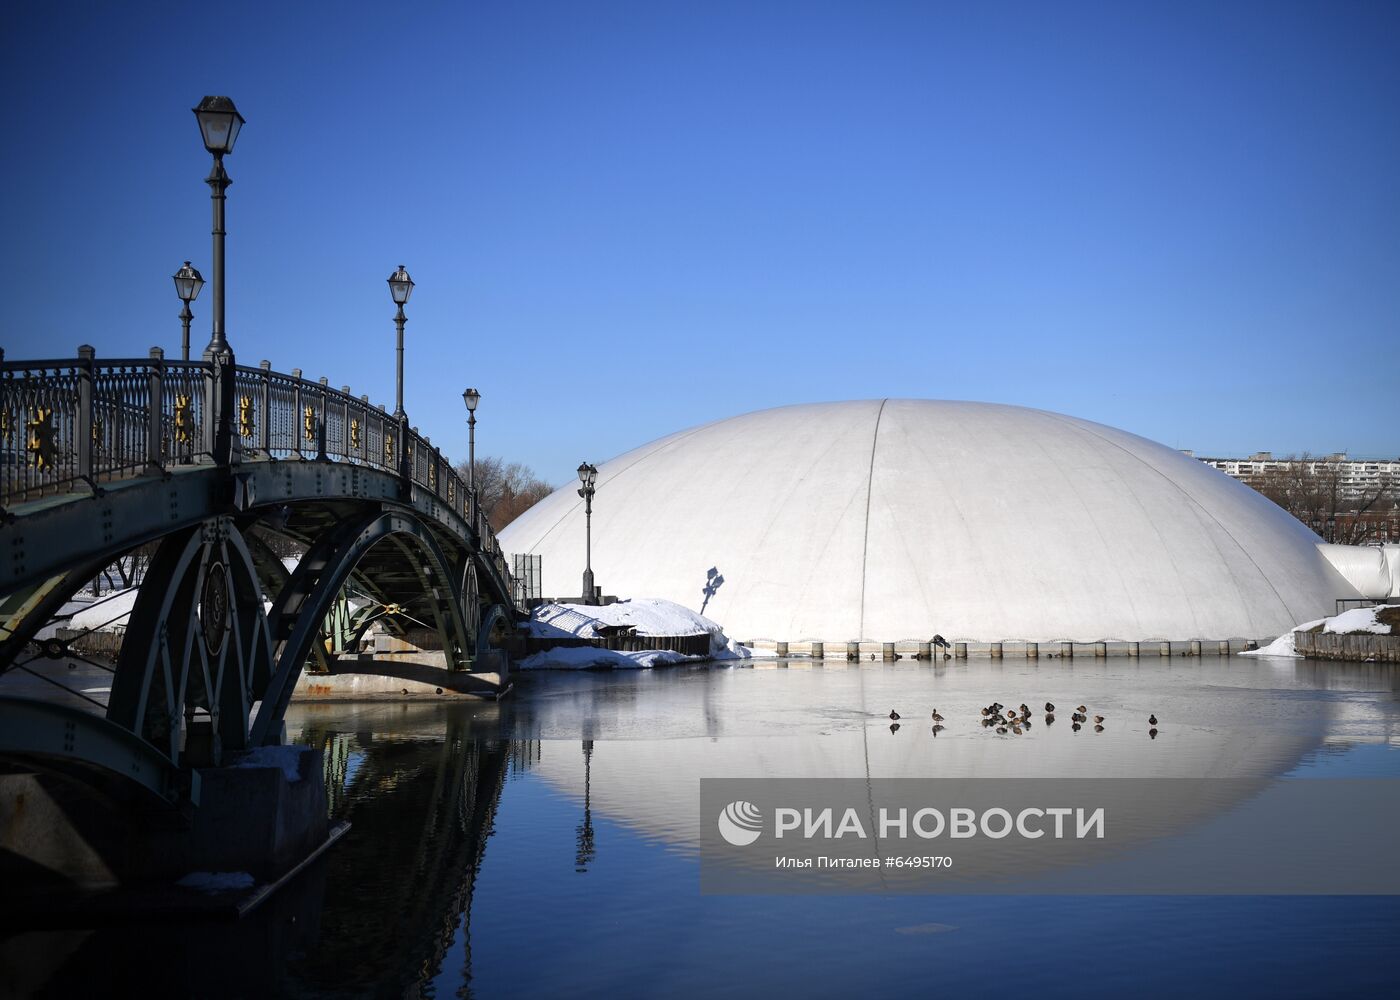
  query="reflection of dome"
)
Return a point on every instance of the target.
[
  {"x": 895, "y": 519},
  {"x": 829, "y": 722}
]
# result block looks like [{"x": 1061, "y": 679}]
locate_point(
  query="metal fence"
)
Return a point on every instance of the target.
[
  {"x": 69, "y": 425},
  {"x": 527, "y": 579}
]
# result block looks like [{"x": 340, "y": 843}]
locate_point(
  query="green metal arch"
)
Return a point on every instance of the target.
[
  {"x": 301, "y": 607},
  {"x": 483, "y": 636}
]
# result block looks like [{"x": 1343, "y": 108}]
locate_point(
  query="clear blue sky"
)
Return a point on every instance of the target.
[{"x": 627, "y": 218}]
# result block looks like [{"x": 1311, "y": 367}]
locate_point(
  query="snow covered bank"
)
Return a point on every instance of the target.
[
  {"x": 107, "y": 614},
  {"x": 1283, "y": 645},
  {"x": 592, "y": 658},
  {"x": 650, "y": 616},
  {"x": 1358, "y": 620}
]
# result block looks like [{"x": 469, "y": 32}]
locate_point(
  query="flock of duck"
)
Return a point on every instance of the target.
[{"x": 1017, "y": 721}]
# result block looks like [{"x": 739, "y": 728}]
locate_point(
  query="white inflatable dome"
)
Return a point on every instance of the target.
[{"x": 890, "y": 520}]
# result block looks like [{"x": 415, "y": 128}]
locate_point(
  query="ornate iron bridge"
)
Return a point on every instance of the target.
[{"x": 208, "y": 473}]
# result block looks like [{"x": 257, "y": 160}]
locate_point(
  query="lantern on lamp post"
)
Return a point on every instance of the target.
[
  {"x": 188, "y": 282},
  {"x": 471, "y": 397},
  {"x": 400, "y": 288},
  {"x": 219, "y": 125},
  {"x": 588, "y": 476}
]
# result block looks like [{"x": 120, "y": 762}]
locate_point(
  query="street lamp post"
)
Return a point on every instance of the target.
[
  {"x": 219, "y": 124},
  {"x": 400, "y": 287},
  {"x": 188, "y": 282},
  {"x": 471, "y": 397},
  {"x": 588, "y": 476}
]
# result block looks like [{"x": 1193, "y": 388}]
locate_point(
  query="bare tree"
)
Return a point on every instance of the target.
[
  {"x": 1311, "y": 489},
  {"x": 506, "y": 489}
]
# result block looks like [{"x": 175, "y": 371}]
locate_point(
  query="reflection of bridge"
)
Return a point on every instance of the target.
[
  {"x": 216, "y": 469},
  {"x": 384, "y": 914},
  {"x": 421, "y": 811}
]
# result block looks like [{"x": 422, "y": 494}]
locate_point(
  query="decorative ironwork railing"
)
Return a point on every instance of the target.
[{"x": 69, "y": 425}]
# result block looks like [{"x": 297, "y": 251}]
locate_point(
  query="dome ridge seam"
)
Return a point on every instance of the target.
[{"x": 869, "y": 486}]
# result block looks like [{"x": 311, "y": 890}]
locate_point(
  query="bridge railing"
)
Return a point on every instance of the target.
[{"x": 71, "y": 424}]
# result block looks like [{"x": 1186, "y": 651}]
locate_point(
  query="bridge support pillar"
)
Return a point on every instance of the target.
[
  {"x": 263, "y": 818},
  {"x": 818, "y": 651},
  {"x": 994, "y": 651}
]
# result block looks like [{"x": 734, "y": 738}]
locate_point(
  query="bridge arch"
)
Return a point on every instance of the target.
[
  {"x": 197, "y": 639},
  {"x": 199, "y": 463}
]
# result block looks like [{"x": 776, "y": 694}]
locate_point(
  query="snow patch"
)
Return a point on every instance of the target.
[
  {"x": 650, "y": 616},
  {"x": 216, "y": 881},
  {"x": 108, "y": 614},
  {"x": 1283, "y": 645},
  {"x": 590, "y": 658},
  {"x": 288, "y": 758},
  {"x": 1348, "y": 622},
  {"x": 1356, "y": 620}
]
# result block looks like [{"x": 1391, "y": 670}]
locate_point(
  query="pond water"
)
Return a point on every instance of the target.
[{"x": 547, "y": 845}]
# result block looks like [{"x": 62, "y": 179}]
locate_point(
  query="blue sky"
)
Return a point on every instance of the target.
[{"x": 629, "y": 218}]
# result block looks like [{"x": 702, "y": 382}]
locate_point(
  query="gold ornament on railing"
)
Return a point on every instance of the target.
[
  {"x": 97, "y": 432},
  {"x": 5, "y": 426},
  {"x": 355, "y": 432},
  {"x": 40, "y": 442},
  {"x": 432, "y": 475},
  {"x": 452, "y": 491},
  {"x": 388, "y": 450},
  {"x": 184, "y": 419},
  {"x": 245, "y": 416},
  {"x": 308, "y": 423}
]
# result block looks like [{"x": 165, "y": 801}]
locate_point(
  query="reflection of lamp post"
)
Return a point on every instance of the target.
[
  {"x": 188, "y": 282},
  {"x": 588, "y": 475},
  {"x": 400, "y": 287},
  {"x": 219, "y": 123},
  {"x": 585, "y": 851},
  {"x": 471, "y": 397}
]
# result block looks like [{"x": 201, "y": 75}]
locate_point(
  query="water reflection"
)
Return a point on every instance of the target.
[
  {"x": 421, "y": 810},
  {"x": 545, "y": 844}
]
